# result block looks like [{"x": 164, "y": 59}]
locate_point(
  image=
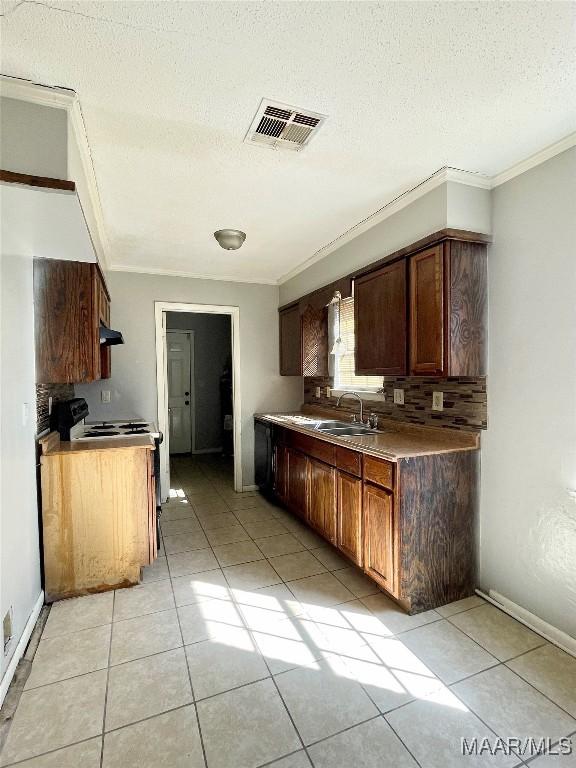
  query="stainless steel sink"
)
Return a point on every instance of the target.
[
  {"x": 324, "y": 426},
  {"x": 347, "y": 430}
]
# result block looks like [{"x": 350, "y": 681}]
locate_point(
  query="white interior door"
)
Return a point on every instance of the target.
[{"x": 179, "y": 357}]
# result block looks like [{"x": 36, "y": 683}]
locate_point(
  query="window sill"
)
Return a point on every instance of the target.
[{"x": 362, "y": 393}]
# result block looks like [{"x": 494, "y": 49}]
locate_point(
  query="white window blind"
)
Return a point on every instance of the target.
[{"x": 344, "y": 376}]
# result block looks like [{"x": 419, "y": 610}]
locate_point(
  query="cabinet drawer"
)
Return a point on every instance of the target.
[
  {"x": 318, "y": 449},
  {"x": 349, "y": 461},
  {"x": 379, "y": 471}
]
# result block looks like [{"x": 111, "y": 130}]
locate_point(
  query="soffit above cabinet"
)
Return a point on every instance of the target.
[{"x": 47, "y": 223}]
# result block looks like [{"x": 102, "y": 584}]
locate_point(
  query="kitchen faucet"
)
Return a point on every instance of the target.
[{"x": 353, "y": 394}]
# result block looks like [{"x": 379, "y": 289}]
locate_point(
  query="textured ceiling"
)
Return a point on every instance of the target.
[{"x": 168, "y": 90}]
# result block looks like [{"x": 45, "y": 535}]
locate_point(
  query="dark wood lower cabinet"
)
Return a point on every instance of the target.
[
  {"x": 297, "y": 483},
  {"x": 350, "y": 516},
  {"x": 322, "y": 499},
  {"x": 409, "y": 524},
  {"x": 379, "y": 534}
]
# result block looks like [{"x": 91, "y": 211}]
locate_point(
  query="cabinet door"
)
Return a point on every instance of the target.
[
  {"x": 280, "y": 471},
  {"x": 63, "y": 317},
  {"x": 427, "y": 317},
  {"x": 380, "y": 321},
  {"x": 322, "y": 499},
  {"x": 290, "y": 342},
  {"x": 379, "y": 536},
  {"x": 297, "y": 483},
  {"x": 314, "y": 323},
  {"x": 349, "y": 518}
]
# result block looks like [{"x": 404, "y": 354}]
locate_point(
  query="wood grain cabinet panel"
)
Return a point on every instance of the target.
[
  {"x": 297, "y": 483},
  {"x": 322, "y": 499},
  {"x": 290, "y": 342},
  {"x": 427, "y": 320},
  {"x": 70, "y": 302},
  {"x": 379, "y": 471},
  {"x": 380, "y": 321},
  {"x": 349, "y": 518},
  {"x": 448, "y": 300},
  {"x": 314, "y": 322},
  {"x": 379, "y": 534}
]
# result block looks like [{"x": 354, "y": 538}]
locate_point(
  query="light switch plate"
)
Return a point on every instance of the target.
[
  {"x": 317, "y": 391},
  {"x": 437, "y": 401},
  {"x": 105, "y": 395},
  {"x": 328, "y": 392},
  {"x": 399, "y": 396}
]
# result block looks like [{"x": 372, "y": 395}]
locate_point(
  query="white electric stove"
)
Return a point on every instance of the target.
[{"x": 111, "y": 430}]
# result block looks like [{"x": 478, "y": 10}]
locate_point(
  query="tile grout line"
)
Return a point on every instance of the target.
[
  {"x": 107, "y": 681},
  {"x": 194, "y": 703}
]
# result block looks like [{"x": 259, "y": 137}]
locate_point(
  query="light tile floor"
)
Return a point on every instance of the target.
[{"x": 250, "y": 642}]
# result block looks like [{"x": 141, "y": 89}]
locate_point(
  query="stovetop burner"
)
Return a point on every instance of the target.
[
  {"x": 101, "y": 426},
  {"x": 137, "y": 432},
  {"x": 134, "y": 425},
  {"x": 101, "y": 433}
]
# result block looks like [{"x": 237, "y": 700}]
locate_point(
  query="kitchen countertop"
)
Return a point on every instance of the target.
[
  {"x": 53, "y": 446},
  {"x": 393, "y": 440}
]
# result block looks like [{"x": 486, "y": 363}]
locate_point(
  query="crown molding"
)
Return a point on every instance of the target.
[
  {"x": 67, "y": 99},
  {"x": 193, "y": 275},
  {"x": 441, "y": 176},
  {"x": 536, "y": 159}
]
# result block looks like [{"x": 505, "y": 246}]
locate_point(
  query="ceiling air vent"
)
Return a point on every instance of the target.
[{"x": 280, "y": 126}]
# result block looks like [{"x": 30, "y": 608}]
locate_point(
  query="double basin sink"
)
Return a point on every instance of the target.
[{"x": 342, "y": 428}]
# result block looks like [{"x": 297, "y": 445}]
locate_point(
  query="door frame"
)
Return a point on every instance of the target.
[
  {"x": 191, "y": 342},
  {"x": 160, "y": 310}
]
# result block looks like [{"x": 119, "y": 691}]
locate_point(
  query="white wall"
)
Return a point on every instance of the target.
[
  {"x": 212, "y": 349},
  {"x": 34, "y": 139},
  {"x": 133, "y": 382},
  {"x": 19, "y": 549},
  {"x": 528, "y": 519}
]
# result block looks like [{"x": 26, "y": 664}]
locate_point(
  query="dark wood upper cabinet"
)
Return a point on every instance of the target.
[
  {"x": 448, "y": 310},
  {"x": 70, "y": 302},
  {"x": 380, "y": 321},
  {"x": 303, "y": 340},
  {"x": 427, "y": 326},
  {"x": 290, "y": 342}
]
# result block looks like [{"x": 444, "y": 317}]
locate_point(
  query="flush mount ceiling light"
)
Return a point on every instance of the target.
[{"x": 230, "y": 239}]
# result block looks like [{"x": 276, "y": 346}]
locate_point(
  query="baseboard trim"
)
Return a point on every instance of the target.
[
  {"x": 249, "y": 488},
  {"x": 21, "y": 647},
  {"x": 548, "y": 631}
]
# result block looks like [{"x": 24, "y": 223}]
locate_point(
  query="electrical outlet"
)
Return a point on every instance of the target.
[
  {"x": 328, "y": 392},
  {"x": 437, "y": 401},
  {"x": 25, "y": 412},
  {"x": 317, "y": 392},
  {"x": 50, "y": 402},
  {"x": 399, "y": 396},
  {"x": 105, "y": 395}
]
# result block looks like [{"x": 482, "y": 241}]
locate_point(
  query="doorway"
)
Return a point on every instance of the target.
[
  {"x": 181, "y": 382},
  {"x": 198, "y": 365}
]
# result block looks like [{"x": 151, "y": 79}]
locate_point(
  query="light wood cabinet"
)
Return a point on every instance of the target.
[
  {"x": 98, "y": 515},
  {"x": 379, "y": 536},
  {"x": 380, "y": 321},
  {"x": 349, "y": 538},
  {"x": 322, "y": 499},
  {"x": 70, "y": 302}
]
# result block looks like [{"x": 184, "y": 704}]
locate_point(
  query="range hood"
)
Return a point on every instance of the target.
[{"x": 108, "y": 337}]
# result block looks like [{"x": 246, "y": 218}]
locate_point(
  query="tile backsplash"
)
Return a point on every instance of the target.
[
  {"x": 465, "y": 400},
  {"x": 43, "y": 392}
]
